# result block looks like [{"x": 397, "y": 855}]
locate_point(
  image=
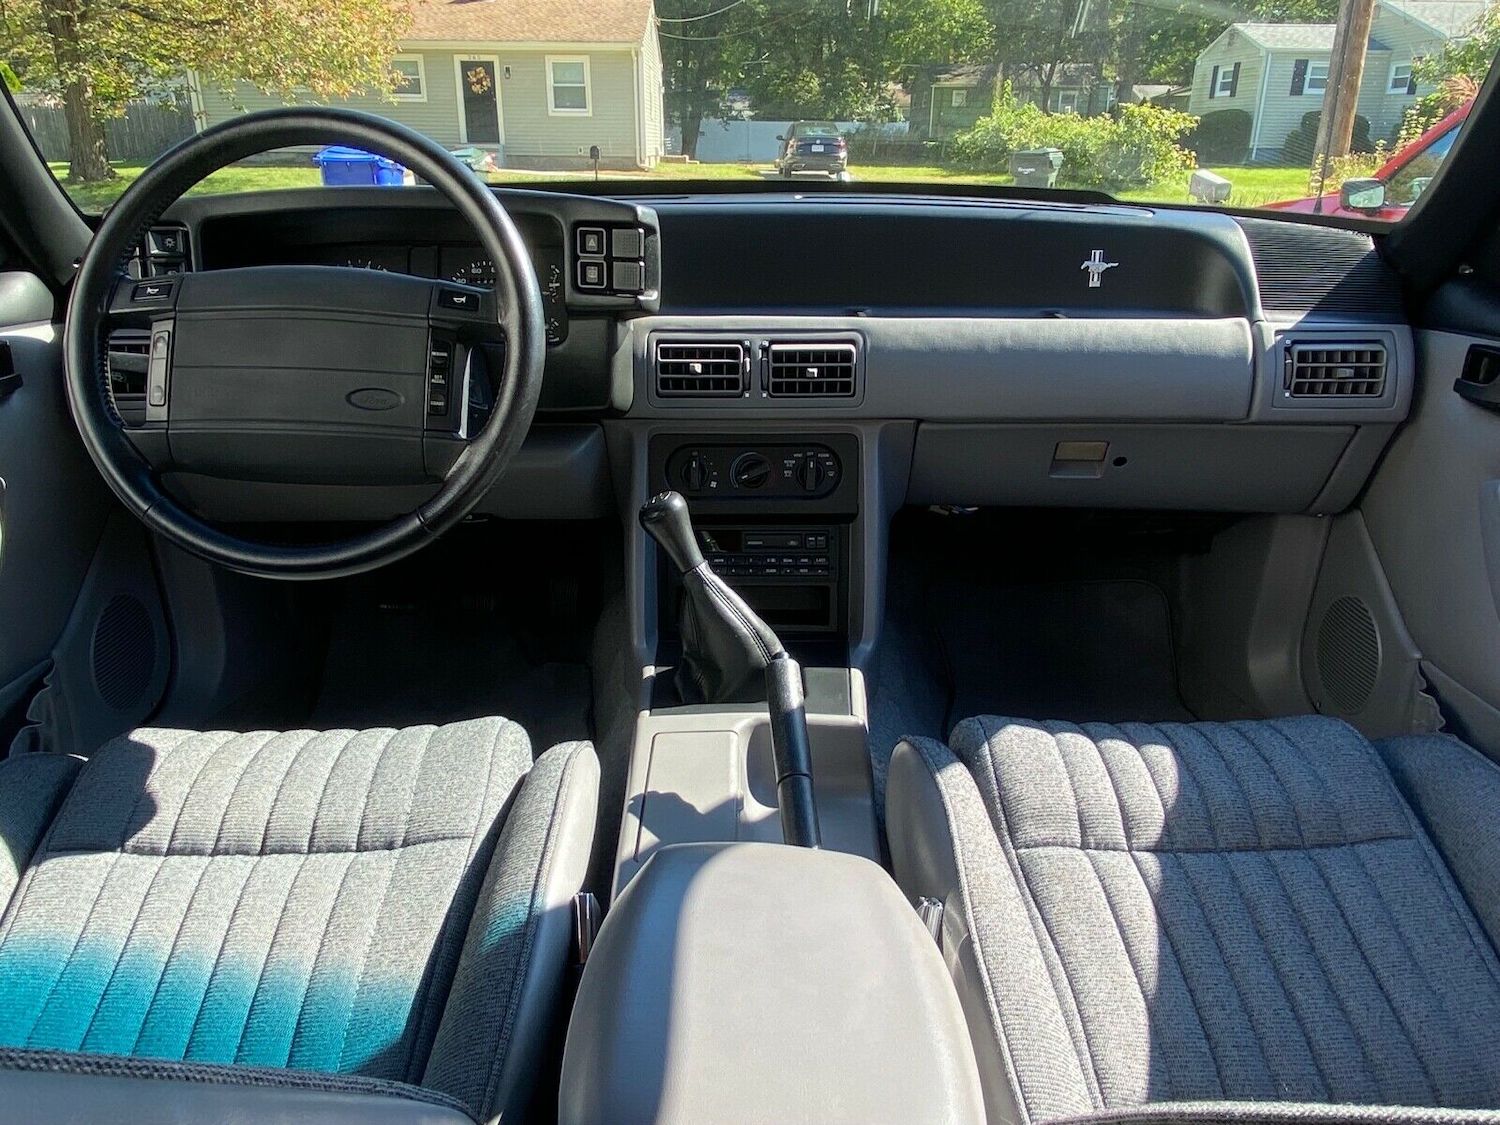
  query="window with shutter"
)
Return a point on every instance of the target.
[
  {"x": 1213, "y": 83},
  {"x": 1299, "y": 77}
]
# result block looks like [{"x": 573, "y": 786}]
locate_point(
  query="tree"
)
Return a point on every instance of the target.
[
  {"x": 807, "y": 58},
  {"x": 705, "y": 44},
  {"x": 98, "y": 55},
  {"x": 1456, "y": 72}
]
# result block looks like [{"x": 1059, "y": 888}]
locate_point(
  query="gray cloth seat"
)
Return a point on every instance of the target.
[
  {"x": 1249, "y": 912},
  {"x": 339, "y": 915}
]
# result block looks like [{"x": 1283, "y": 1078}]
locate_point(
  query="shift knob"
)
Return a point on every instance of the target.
[{"x": 665, "y": 517}]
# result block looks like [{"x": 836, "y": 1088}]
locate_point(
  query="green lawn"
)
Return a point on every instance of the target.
[{"x": 1253, "y": 187}]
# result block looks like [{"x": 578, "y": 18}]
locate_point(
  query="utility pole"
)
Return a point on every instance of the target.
[{"x": 1346, "y": 67}]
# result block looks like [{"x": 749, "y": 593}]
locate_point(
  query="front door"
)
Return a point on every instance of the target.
[{"x": 481, "y": 100}]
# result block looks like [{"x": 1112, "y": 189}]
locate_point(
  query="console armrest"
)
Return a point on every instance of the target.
[{"x": 759, "y": 982}]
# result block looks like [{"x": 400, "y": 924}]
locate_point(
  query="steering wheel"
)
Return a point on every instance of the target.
[{"x": 307, "y": 374}]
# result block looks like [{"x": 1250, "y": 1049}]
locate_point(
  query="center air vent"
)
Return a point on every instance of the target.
[
  {"x": 1334, "y": 369},
  {"x": 701, "y": 368},
  {"x": 129, "y": 350},
  {"x": 807, "y": 369}
]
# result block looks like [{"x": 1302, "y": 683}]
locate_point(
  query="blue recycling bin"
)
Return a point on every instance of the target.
[{"x": 342, "y": 166}]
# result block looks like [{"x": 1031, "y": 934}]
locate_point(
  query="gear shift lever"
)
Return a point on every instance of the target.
[{"x": 729, "y": 655}]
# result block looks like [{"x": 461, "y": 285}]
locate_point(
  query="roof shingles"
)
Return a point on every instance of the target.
[{"x": 529, "y": 21}]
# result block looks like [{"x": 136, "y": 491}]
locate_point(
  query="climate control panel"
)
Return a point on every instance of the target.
[{"x": 783, "y": 471}]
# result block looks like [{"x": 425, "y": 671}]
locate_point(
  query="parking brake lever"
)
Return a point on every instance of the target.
[{"x": 729, "y": 655}]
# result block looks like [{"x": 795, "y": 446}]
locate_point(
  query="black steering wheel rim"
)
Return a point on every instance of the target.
[{"x": 484, "y": 458}]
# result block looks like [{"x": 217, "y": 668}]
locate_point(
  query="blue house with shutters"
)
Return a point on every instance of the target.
[{"x": 1278, "y": 72}]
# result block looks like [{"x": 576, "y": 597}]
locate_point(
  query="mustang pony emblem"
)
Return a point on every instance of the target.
[{"x": 1096, "y": 265}]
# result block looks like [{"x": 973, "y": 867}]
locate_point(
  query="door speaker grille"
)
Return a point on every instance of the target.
[
  {"x": 1348, "y": 654},
  {"x": 123, "y": 652}
]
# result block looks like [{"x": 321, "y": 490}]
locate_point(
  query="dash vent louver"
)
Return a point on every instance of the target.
[
  {"x": 1352, "y": 369},
  {"x": 701, "y": 368},
  {"x": 128, "y": 353},
  {"x": 810, "y": 369}
]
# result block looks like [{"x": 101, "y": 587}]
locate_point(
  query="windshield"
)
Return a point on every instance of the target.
[{"x": 1251, "y": 104}]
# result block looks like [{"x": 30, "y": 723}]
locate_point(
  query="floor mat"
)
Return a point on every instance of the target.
[
  {"x": 1083, "y": 650},
  {"x": 394, "y": 665}
]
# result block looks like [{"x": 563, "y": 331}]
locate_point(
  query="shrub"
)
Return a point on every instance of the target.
[
  {"x": 1431, "y": 108},
  {"x": 8, "y": 76},
  {"x": 1222, "y": 137},
  {"x": 1353, "y": 166},
  {"x": 1137, "y": 146},
  {"x": 1300, "y": 142}
]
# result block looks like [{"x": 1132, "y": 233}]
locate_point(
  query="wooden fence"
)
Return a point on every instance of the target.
[{"x": 146, "y": 131}]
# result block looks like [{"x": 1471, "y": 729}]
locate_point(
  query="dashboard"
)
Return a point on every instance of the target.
[{"x": 1231, "y": 363}]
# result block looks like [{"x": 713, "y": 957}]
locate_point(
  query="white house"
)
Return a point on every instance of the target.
[{"x": 1277, "y": 72}]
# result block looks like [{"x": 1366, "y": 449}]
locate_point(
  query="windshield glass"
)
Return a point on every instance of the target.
[{"x": 1256, "y": 103}]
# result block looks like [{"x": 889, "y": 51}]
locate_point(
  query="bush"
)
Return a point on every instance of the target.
[
  {"x": 1222, "y": 137},
  {"x": 1431, "y": 108},
  {"x": 8, "y": 76},
  {"x": 1138, "y": 146},
  {"x": 1300, "y": 142}
]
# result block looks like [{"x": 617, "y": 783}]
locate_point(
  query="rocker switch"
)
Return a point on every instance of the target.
[{"x": 156, "y": 372}]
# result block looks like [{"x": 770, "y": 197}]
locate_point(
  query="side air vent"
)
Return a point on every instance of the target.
[
  {"x": 1334, "y": 369},
  {"x": 810, "y": 369},
  {"x": 129, "y": 350},
  {"x": 701, "y": 368}
]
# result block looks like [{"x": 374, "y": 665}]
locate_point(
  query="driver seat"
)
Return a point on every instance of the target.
[{"x": 344, "y": 925}]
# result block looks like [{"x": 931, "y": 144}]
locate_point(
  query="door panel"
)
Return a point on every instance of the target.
[
  {"x": 1433, "y": 513},
  {"x": 79, "y": 603}
]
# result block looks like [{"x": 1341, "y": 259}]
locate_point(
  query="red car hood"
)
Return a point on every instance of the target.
[{"x": 1330, "y": 201}]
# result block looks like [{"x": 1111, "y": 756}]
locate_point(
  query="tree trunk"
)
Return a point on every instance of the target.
[
  {"x": 692, "y": 125},
  {"x": 1049, "y": 72},
  {"x": 88, "y": 154}
]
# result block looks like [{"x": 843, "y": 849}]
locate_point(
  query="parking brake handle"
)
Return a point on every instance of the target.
[{"x": 729, "y": 655}]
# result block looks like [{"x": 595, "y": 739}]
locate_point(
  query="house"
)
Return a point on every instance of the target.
[
  {"x": 1278, "y": 72},
  {"x": 949, "y": 99},
  {"x": 537, "y": 81}
]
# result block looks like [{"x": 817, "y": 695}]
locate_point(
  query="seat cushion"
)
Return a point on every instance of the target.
[
  {"x": 296, "y": 900},
  {"x": 1210, "y": 912}
]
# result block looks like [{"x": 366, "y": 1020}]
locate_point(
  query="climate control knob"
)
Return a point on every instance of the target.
[
  {"x": 810, "y": 474},
  {"x": 750, "y": 470}
]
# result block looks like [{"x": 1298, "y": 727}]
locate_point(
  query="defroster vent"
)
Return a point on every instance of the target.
[
  {"x": 701, "y": 368},
  {"x": 1354, "y": 369},
  {"x": 810, "y": 369}
]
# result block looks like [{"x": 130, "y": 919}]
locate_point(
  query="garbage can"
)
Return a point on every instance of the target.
[
  {"x": 1036, "y": 167},
  {"x": 476, "y": 159},
  {"x": 342, "y": 166}
]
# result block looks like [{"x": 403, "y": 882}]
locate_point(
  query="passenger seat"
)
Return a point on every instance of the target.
[{"x": 1214, "y": 913}]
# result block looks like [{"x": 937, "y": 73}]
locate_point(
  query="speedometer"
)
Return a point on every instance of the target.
[{"x": 468, "y": 268}]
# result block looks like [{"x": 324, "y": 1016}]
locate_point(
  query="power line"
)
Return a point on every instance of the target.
[
  {"x": 704, "y": 16},
  {"x": 773, "y": 20}
]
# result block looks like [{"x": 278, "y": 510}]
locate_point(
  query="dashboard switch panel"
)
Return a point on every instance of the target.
[
  {"x": 768, "y": 471},
  {"x": 611, "y": 259}
]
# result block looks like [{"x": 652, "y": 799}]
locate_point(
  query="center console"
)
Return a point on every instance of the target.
[
  {"x": 773, "y": 518},
  {"x": 756, "y": 982},
  {"x": 737, "y": 978}
]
